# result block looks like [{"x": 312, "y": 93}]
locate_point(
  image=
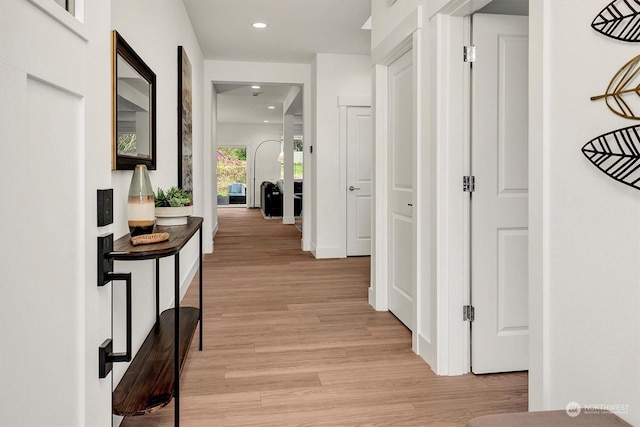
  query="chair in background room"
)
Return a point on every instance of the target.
[{"x": 237, "y": 193}]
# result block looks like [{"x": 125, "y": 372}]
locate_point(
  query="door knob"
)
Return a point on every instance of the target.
[{"x": 351, "y": 188}]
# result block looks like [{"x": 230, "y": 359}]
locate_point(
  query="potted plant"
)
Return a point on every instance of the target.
[{"x": 173, "y": 207}]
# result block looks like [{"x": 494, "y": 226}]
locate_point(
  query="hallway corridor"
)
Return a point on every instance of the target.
[{"x": 290, "y": 340}]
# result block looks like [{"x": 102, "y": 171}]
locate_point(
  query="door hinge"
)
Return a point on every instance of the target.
[
  {"x": 469, "y": 53},
  {"x": 469, "y": 184},
  {"x": 468, "y": 313}
]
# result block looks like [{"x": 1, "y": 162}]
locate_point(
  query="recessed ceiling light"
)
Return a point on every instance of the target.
[
  {"x": 259, "y": 25},
  {"x": 255, "y": 87},
  {"x": 271, "y": 107},
  {"x": 266, "y": 121}
]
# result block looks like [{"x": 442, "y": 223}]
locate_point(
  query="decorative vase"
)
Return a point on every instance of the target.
[
  {"x": 141, "y": 204},
  {"x": 173, "y": 215}
]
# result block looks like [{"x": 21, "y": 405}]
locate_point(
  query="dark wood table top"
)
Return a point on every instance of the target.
[{"x": 179, "y": 235}]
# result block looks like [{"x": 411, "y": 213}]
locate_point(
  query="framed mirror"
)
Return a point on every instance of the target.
[{"x": 134, "y": 108}]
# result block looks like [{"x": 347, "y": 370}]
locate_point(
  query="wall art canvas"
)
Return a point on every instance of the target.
[{"x": 185, "y": 137}]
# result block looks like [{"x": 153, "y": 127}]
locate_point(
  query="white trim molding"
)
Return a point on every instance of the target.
[
  {"x": 380, "y": 218},
  {"x": 354, "y": 101},
  {"x": 404, "y": 38},
  {"x": 398, "y": 41},
  {"x": 71, "y": 22}
]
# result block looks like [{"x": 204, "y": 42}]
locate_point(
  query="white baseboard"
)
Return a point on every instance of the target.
[
  {"x": 422, "y": 345},
  {"x": 325, "y": 253},
  {"x": 288, "y": 220},
  {"x": 184, "y": 286}
]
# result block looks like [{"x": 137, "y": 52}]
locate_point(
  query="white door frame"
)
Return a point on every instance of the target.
[
  {"x": 344, "y": 102},
  {"x": 402, "y": 39},
  {"x": 440, "y": 208},
  {"x": 452, "y": 123},
  {"x": 452, "y": 104}
]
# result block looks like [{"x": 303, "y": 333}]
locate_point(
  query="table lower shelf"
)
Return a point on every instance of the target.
[{"x": 147, "y": 385}]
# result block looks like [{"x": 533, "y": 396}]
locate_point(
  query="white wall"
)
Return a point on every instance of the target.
[
  {"x": 311, "y": 175},
  {"x": 385, "y": 18},
  {"x": 155, "y": 30},
  {"x": 266, "y": 157},
  {"x": 335, "y": 75},
  {"x": 210, "y": 179},
  {"x": 585, "y": 231}
]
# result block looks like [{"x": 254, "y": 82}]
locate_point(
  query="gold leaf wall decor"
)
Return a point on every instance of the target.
[
  {"x": 623, "y": 93},
  {"x": 620, "y": 20}
]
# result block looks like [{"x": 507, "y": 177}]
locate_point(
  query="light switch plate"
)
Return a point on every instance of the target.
[{"x": 105, "y": 207}]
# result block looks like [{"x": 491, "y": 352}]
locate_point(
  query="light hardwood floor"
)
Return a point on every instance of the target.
[{"x": 292, "y": 341}]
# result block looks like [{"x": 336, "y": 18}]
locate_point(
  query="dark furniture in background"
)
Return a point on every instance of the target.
[
  {"x": 297, "y": 195},
  {"x": 270, "y": 199}
]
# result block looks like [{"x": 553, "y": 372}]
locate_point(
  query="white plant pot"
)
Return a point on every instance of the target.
[{"x": 173, "y": 216}]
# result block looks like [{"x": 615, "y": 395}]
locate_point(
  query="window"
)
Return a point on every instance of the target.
[
  {"x": 298, "y": 156},
  {"x": 68, "y": 5}
]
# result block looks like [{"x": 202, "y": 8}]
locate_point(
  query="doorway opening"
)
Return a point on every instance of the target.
[{"x": 232, "y": 176}]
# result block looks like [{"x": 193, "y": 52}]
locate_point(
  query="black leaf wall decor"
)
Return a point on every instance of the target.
[
  {"x": 620, "y": 20},
  {"x": 617, "y": 154},
  {"x": 623, "y": 93}
]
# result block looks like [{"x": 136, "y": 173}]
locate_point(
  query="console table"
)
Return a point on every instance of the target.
[{"x": 150, "y": 382}]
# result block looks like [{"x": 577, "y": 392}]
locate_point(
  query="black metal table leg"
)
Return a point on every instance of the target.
[
  {"x": 157, "y": 290},
  {"x": 200, "y": 291},
  {"x": 176, "y": 342}
]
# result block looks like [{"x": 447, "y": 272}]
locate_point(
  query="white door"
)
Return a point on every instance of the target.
[
  {"x": 499, "y": 223},
  {"x": 359, "y": 165},
  {"x": 401, "y": 251},
  {"x": 53, "y": 135}
]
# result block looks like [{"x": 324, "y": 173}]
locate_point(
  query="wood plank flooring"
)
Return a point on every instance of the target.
[{"x": 292, "y": 341}]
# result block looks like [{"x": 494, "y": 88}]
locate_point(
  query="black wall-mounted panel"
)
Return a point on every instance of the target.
[{"x": 105, "y": 207}]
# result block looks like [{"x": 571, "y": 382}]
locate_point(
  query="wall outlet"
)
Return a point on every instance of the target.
[{"x": 105, "y": 207}]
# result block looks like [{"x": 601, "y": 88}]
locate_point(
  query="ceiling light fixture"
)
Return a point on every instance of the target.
[
  {"x": 259, "y": 25},
  {"x": 271, "y": 107},
  {"x": 255, "y": 87},
  {"x": 266, "y": 121}
]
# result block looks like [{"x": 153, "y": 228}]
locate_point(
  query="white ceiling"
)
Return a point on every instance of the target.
[
  {"x": 238, "y": 103},
  {"x": 298, "y": 29},
  {"x": 507, "y": 7}
]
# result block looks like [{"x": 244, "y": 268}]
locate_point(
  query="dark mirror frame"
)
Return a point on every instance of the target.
[{"x": 121, "y": 49}]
